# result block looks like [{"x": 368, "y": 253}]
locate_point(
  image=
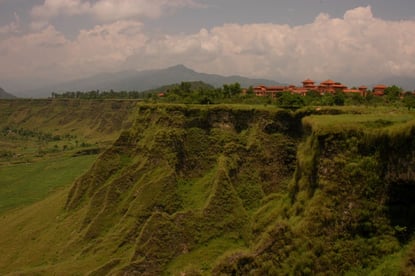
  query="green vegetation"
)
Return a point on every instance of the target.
[
  {"x": 198, "y": 92},
  {"x": 224, "y": 189},
  {"x": 23, "y": 184}
]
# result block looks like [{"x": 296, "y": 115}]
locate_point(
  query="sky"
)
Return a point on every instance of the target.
[{"x": 354, "y": 41}]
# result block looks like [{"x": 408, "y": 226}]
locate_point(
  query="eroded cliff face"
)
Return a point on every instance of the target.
[
  {"x": 351, "y": 205},
  {"x": 228, "y": 190},
  {"x": 278, "y": 199},
  {"x": 182, "y": 178}
]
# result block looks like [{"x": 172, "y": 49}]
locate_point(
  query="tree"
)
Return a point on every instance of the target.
[
  {"x": 327, "y": 99},
  {"x": 338, "y": 98},
  {"x": 230, "y": 90},
  {"x": 393, "y": 93},
  {"x": 286, "y": 99},
  {"x": 409, "y": 100},
  {"x": 354, "y": 99},
  {"x": 235, "y": 89},
  {"x": 312, "y": 97},
  {"x": 185, "y": 87},
  {"x": 250, "y": 91}
]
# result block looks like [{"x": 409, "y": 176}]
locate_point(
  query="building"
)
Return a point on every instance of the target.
[
  {"x": 379, "y": 90},
  {"x": 328, "y": 86},
  {"x": 272, "y": 91}
]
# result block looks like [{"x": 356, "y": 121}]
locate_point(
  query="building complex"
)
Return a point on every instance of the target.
[{"x": 328, "y": 86}]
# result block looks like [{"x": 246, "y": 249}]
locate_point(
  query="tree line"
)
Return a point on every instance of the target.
[
  {"x": 202, "y": 93},
  {"x": 97, "y": 94}
]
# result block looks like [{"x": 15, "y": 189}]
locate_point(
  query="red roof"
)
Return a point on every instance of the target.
[
  {"x": 380, "y": 86},
  {"x": 328, "y": 82},
  {"x": 339, "y": 85},
  {"x": 308, "y": 81},
  {"x": 352, "y": 91}
]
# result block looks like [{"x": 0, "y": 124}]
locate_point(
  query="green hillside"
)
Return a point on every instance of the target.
[{"x": 210, "y": 190}]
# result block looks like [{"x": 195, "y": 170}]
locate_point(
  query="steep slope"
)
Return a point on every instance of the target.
[
  {"x": 166, "y": 165},
  {"x": 231, "y": 190},
  {"x": 349, "y": 206},
  {"x": 180, "y": 180},
  {"x": 95, "y": 120}
]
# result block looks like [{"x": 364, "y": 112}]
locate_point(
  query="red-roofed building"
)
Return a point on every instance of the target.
[
  {"x": 272, "y": 91},
  {"x": 328, "y": 86},
  {"x": 379, "y": 90}
]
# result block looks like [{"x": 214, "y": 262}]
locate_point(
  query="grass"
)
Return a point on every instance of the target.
[
  {"x": 203, "y": 258},
  {"x": 23, "y": 184},
  {"x": 341, "y": 122},
  {"x": 35, "y": 175},
  {"x": 156, "y": 201},
  {"x": 195, "y": 193}
]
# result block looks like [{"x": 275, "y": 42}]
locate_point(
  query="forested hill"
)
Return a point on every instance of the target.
[{"x": 229, "y": 190}]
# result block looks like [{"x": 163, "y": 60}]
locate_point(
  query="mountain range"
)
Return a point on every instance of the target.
[
  {"x": 144, "y": 80},
  {"x": 5, "y": 95},
  {"x": 132, "y": 80}
]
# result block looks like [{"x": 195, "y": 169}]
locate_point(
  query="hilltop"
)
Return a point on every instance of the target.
[{"x": 144, "y": 80}]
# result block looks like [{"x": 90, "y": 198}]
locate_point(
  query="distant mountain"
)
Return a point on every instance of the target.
[
  {"x": 145, "y": 80},
  {"x": 5, "y": 95}
]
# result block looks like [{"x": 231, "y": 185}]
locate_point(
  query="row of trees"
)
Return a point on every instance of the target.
[
  {"x": 96, "y": 94},
  {"x": 201, "y": 93},
  {"x": 29, "y": 134},
  {"x": 393, "y": 96}
]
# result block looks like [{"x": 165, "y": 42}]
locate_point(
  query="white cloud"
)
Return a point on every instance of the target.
[
  {"x": 358, "y": 48},
  {"x": 105, "y": 47},
  {"x": 48, "y": 55},
  {"x": 35, "y": 54},
  {"x": 107, "y": 10}
]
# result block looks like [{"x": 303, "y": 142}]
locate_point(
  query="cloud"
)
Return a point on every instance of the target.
[
  {"x": 107, "y": 10},
  {"x": 355, "y": 49},
  {"x": 11, "y": 28},
  {"x": 105, "y": 46},
  {"x": 53, "y": 8},
  {"x": 49, "y": 56}
]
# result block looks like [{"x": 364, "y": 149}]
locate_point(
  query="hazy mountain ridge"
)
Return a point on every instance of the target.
[
  {"x": 5, "y": 95},
  {"x": 131, "y": 80},
  {"x": 144, "y": 80}
]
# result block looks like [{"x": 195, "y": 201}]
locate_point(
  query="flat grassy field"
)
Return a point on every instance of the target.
[
  {"x": 359, "y": 118},
  {"x": 23, "y": 184}
]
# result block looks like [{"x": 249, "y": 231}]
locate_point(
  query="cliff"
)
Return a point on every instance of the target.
[{"x": 236, "y": 190}]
